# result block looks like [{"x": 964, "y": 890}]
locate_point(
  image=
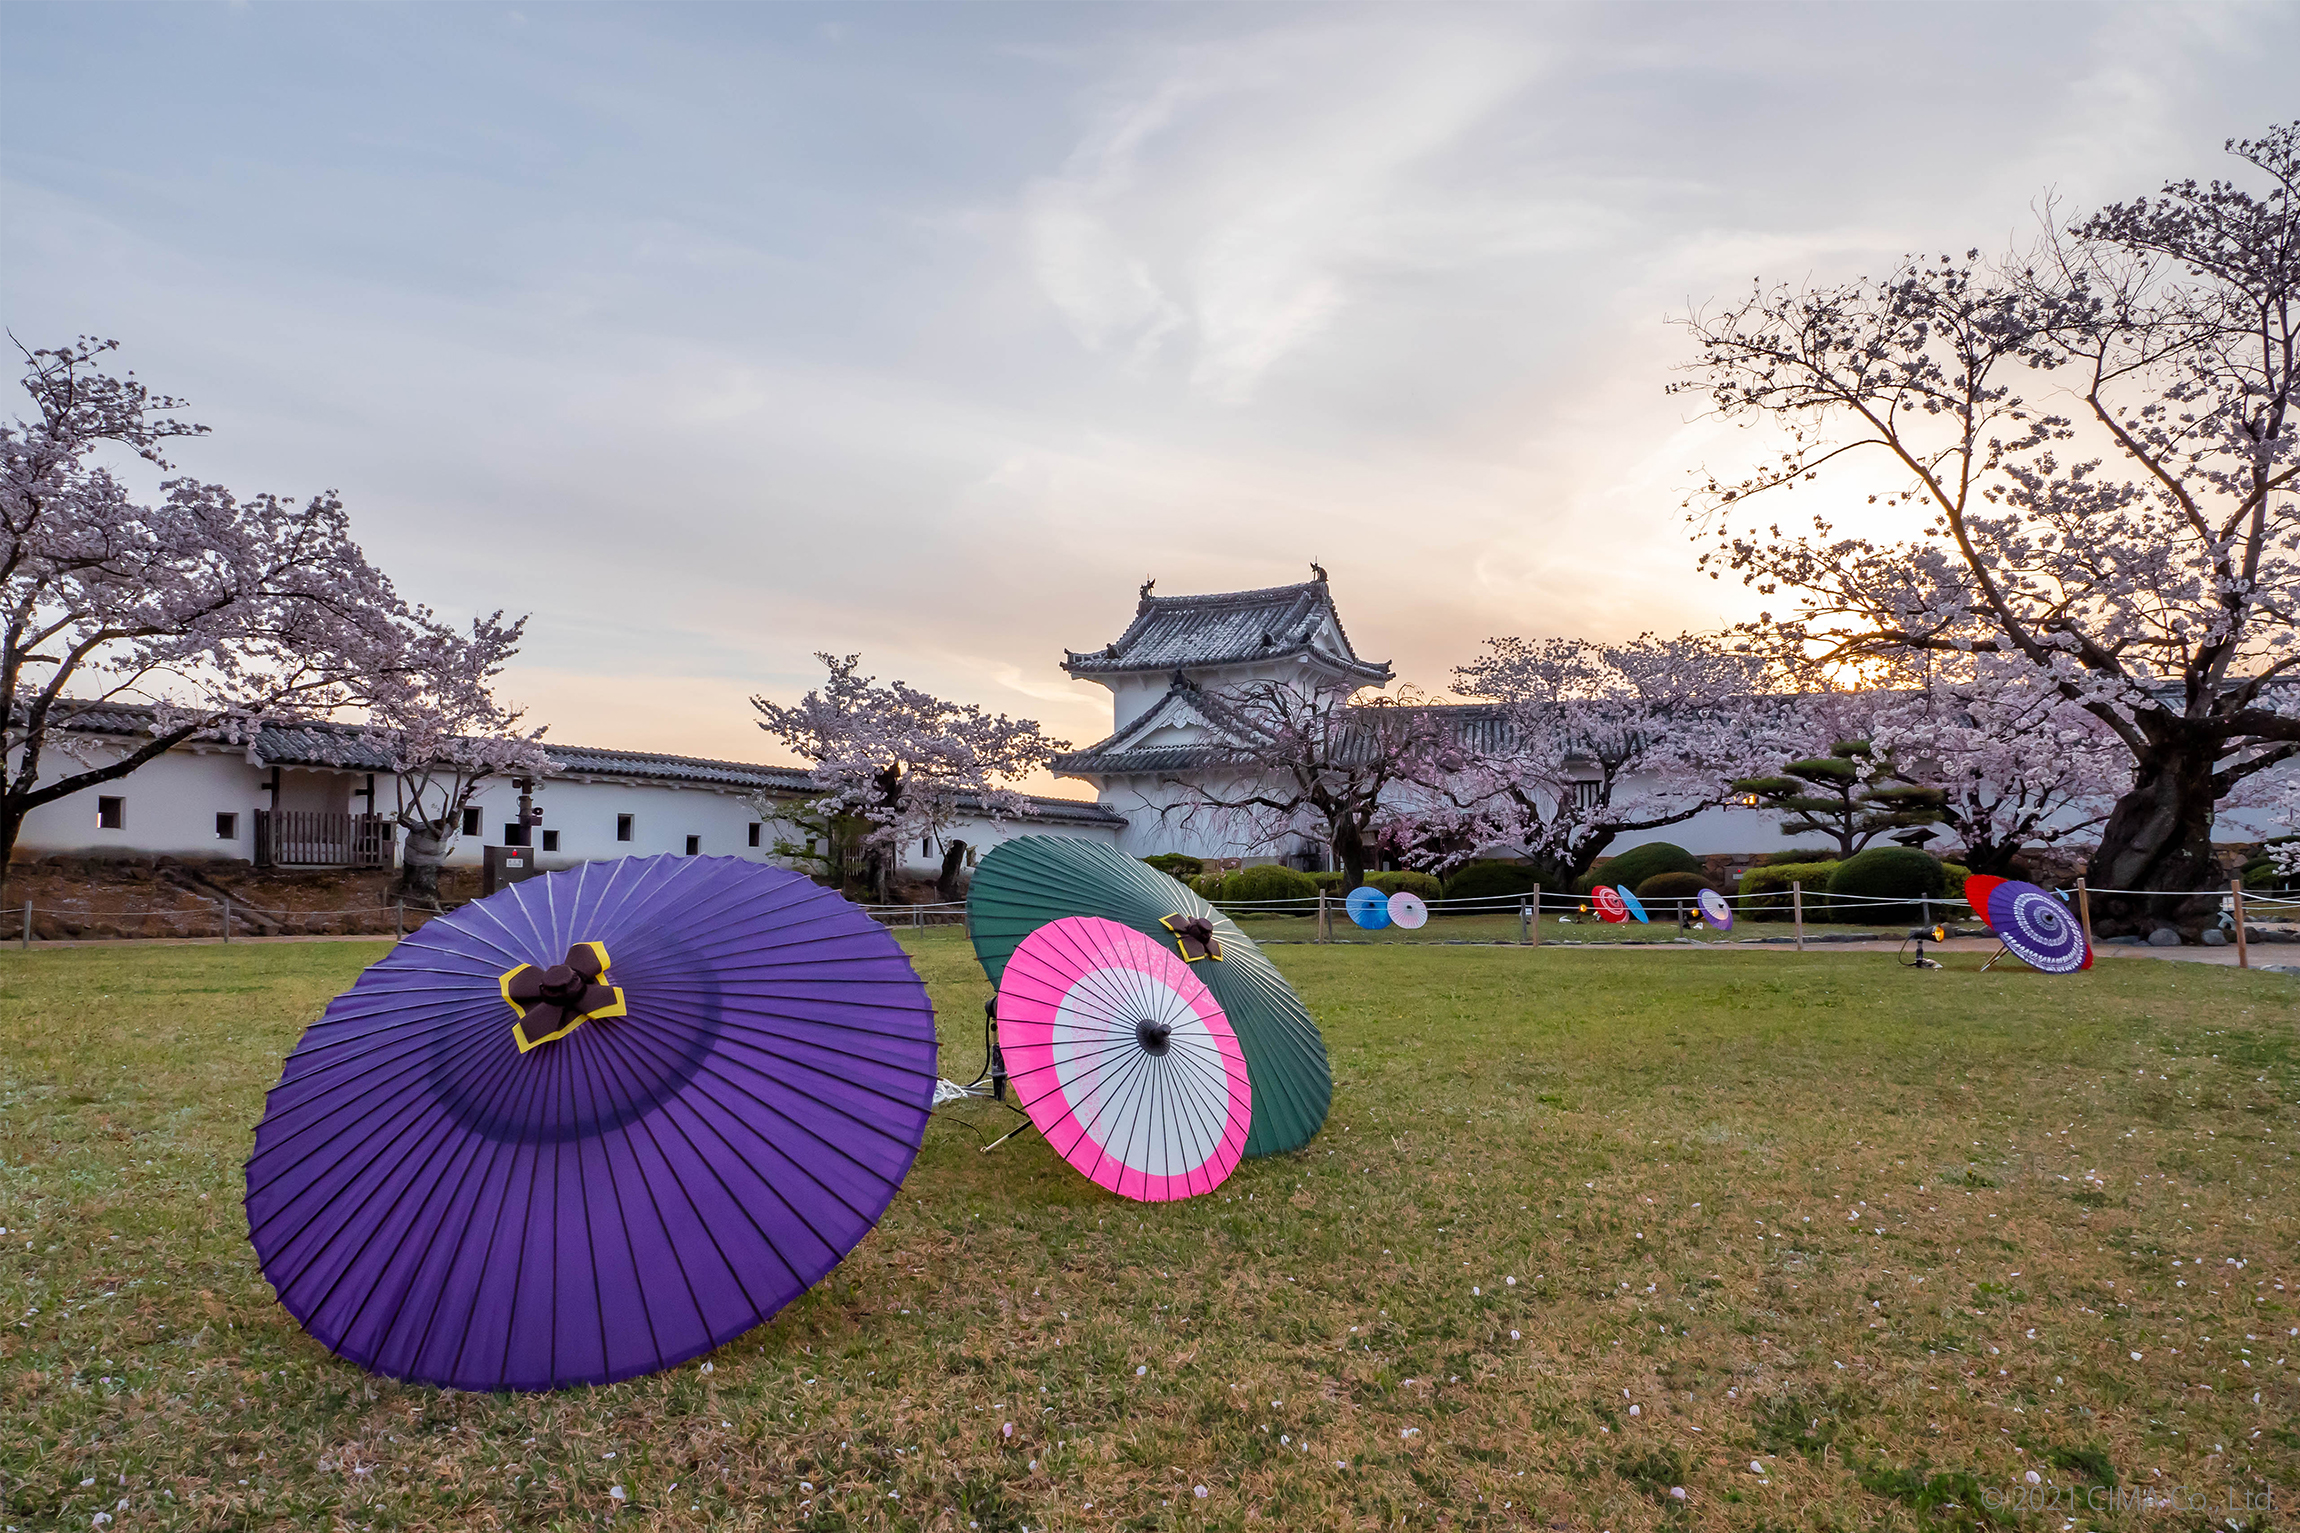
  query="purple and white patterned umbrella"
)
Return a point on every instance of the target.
[{"x": 592, "y": 1126}]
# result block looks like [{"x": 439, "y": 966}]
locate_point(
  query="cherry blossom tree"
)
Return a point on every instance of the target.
[
  {"x": 1298, "y": 759},
  {"x": 905, "y": 762},
  {"x": 2083, "y": 459},
  {"x": 443, "y": 733},
  {"x": 1583, "y": 743},
  {"x": 2016, "y": 763},
  {"x": 211, "y": 610}
]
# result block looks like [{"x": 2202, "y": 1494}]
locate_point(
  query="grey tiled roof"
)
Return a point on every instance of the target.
[
  {"x": 323, "y": 743},
  {"x": 1484, "y": 726},
  {"x": 597, "y": 761},
  {"x": 319, "y": 744},
  {"x": 1225, "y": 628}
]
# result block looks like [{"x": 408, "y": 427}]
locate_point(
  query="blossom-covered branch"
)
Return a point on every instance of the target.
[{"x": 904, "y": 761}]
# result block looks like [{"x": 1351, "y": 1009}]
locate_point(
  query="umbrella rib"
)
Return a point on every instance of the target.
[
  {"x": 604, "y": 1140},
  {"x": 368, "y": 1085},
  {"x": 1122, "y": 1092},
  {"x": 412, "y": 1118},
  {"x": 439, "y": 1227},
  {"x": 412, "y": 1106},
  {"x": 529, "y": 1081},
  {"x": 645, "y": 1123}
]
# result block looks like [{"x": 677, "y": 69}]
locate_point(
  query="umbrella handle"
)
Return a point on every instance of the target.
[
  {"x": 1026, "y": 1127},
  {"x": 1993, "y": 957}
]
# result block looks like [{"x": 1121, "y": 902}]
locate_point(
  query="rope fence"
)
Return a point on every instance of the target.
[
  {"x": 1490, "y": 916},
  {"x": 1795, "y": 906},
  {"x": 215, "y": 919}
]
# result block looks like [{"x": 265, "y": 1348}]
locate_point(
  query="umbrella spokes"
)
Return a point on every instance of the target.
[{"x": 553, "y": 1002}]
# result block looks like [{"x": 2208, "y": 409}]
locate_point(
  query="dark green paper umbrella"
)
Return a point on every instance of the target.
[{"x": 1032, "y": 880}]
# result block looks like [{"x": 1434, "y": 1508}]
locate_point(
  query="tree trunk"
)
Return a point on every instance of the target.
[
  {"x": 878, "y": 872},
  {"x": 953, "y": 862},
  {"x": 11, "y": 825},
  {"x": 2159, "y": 836},
  {"x": 1350, "y": 851},
  {"x": 1993, "y": 859},
  {"x": 418, "y": 882}
]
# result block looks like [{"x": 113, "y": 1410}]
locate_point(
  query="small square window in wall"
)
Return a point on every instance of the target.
[
  {"x": 694, "y": 846},
  {"x": 227, "y": 827},
  {"x": 622, "y": 827},
  {"x": 754, "y": 833},
  {"x": 551, "y": 841},
  {"x": 111, "y": 814},
  {"x": 471, "y": 822}
]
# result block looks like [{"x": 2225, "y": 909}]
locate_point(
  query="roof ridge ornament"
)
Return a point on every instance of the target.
[
  {"x": 1319, "y": 571},
  {"x": 1148, "y": 586}
]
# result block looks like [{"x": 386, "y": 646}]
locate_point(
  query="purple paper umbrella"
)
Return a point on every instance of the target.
[{"x": 592, "y": 1126}]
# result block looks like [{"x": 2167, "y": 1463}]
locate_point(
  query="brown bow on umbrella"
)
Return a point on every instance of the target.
[
  {"x": 1194, "y": 935},
  {"x": 554, "y": 1002}
]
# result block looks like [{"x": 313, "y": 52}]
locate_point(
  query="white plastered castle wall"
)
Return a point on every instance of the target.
[{"x": 168, "y": 807}]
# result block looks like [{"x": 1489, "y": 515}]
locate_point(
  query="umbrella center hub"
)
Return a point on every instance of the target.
[
  {"x": 1156, "y": 1037},
  {"x": 562, "y": 984}
]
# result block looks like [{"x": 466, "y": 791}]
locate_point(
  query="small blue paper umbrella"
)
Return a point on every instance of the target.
[
  {"x": 1630, "y": 900},
  {"x": 1369, "y": 907}
]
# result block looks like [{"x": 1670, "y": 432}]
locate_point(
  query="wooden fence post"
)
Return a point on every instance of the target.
[
  {"x": 227, "y": 920},
  {"x": 2243, "y": 956},
  {"x": 1536, "y": 913},
  {"x": 2083, "y": 912},
  {"x": 398, "y": 919},
  {"x": 1325, "y": 919},
  {"x": 1797, "y": 906},
  {"x": 27, "y": 923}
]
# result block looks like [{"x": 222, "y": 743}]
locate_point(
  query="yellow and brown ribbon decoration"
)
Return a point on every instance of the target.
[
  {"x": 1193, "y": 937},
  {"x": 553, "y": 1002}
]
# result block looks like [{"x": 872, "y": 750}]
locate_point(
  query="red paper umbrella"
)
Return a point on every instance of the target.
[
  {"x": 2032, "y": 923},
  {"x": 1123, "y": 1059},
  {"x": 1609, "y": 904}
]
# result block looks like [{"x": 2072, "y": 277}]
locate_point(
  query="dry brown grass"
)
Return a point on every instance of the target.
[{"x": 1662, "y": 1149}]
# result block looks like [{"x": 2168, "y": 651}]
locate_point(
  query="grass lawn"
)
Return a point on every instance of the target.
[{"x": 1584, "y": 1227}]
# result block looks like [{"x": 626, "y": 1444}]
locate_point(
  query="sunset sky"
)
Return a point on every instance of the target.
[{"x": 717, "y": 335}]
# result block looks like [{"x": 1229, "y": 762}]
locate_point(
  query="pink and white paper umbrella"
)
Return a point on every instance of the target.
[{"x": 1123, "y": 1059}]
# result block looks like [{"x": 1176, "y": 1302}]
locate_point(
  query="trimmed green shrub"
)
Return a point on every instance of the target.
[
  {"x": 1953, "y": 876},
  {"x": 1424, "y": 884},
  {"x": 1491, "y": 880},
  {"x": 1207, "y": 886},
  {"x": 1176, "y": 865},
  {"x": 1765, "y": 891},
  {"x": 1889, "y": 872},
  {"x": 1638, "y": 864},
  {"x": 1664, "y": 894},
  {"x": 1268, "y": 881},
  {"x": 1798, "y": 854},
  {"x": 1331, "y": 883},
  {"x": 2260, "y": 874}
]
